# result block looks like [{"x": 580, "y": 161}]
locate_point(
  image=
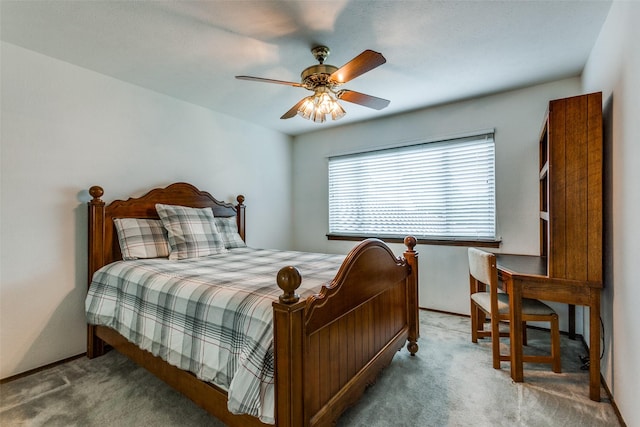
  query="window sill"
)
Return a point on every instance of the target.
[{"x": 422, "y": 240}]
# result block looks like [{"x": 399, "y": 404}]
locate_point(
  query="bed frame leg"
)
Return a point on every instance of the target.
[
  {"x": 412, "y": 301},
  {"x": 95, "y": 346}
]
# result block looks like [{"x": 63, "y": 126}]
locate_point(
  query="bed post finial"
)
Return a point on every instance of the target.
[
  {"x": 410, "y": 242},
  {"x": 289, "y": 280},
  {"x": 96, "y": 192},
  {"x": 240, "y": 217}
]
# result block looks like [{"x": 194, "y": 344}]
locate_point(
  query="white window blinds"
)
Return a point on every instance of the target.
[{"x": 439, "y": 190}]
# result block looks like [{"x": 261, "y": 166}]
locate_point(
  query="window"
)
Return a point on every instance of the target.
[{"x": 443, "y": 190}]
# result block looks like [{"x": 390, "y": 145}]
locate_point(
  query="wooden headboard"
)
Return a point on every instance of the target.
[{"x": 103, "y": 240}]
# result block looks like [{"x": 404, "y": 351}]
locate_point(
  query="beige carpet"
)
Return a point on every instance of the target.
[{"x": 450, "y": 382}]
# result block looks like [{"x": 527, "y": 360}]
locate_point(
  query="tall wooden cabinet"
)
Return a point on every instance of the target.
[
  {"x": 571, "y": 188},
  {"x": 569, "y": 269}
]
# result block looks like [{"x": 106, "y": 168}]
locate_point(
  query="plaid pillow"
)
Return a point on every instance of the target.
[
  {"x": 141, "y": 238},
  {"x": 228, "y": 228},
  {"x": 192, "y": 231}
]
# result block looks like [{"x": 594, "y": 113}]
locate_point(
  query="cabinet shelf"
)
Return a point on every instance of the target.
[{"x": 544, "y": 170}]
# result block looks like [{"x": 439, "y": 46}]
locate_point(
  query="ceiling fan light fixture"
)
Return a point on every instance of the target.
[
  {"x": 318, "y": 117},
  {"x": 321, "y": 104},
  {"x": 307, "y": 108},
  {"x": 310, "y": 110},
  {"x": 337, "y": 112}
]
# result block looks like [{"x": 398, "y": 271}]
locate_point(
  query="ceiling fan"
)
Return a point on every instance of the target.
[{"x": 323, "y": 80}]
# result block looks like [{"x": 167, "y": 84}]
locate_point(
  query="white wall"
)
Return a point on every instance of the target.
[
  {"x": 64, "y": 129},
  {"x": 614, "y": 69},
  {"x": 517, "y": 117}
]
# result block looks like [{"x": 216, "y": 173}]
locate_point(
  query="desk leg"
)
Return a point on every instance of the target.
[
  {"x": 594, "y": 345},
  {"x": 572, "y": 321},
  {"x": 515, "y": 329}
]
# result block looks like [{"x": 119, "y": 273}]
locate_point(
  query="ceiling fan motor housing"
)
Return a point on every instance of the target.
[{"x": 317, "y": 75}]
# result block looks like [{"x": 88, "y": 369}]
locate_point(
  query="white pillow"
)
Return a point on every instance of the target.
[
  {"x": 192, "y": 231},
  {"x": 142, "y": 238}
]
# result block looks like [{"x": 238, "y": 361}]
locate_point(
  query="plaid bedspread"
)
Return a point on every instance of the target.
[{"x": 211, "y": 316}]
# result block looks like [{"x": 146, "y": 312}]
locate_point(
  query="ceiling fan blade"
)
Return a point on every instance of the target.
[
  {"x": 366, "y": 61},
  {"x": 260, "y": 79},
  {"x": 294, "y": 110},
  {"x": 362, "y": 99}
]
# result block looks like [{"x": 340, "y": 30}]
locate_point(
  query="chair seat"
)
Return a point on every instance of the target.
[{"x": 531, "y": 307}]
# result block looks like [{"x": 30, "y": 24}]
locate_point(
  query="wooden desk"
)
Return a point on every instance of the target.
[{"x": 525, "y": 277}]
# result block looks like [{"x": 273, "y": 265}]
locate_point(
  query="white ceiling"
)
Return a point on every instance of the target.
[{"x": 436, "y": 51}]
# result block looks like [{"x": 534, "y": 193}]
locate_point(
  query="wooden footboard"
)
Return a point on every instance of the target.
[{"x": 328, "y": 348}]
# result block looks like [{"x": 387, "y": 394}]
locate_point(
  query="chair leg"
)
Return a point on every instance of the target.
[
  {"x": 495, "y": 341},
  {"x": 556, "y": 366},
  {"x": 474, "y": 322},
  {"x": 482, "y": 318}
]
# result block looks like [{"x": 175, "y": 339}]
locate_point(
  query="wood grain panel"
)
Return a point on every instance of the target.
[
  {"x": 359, "y": 349},
  {"x": 400, "y": 305},
  {"x": 547, "y": 290},
  {"x": 594, "y": 187},
  {"x": 333, "y": 359},
  {"x": 371, "y": 335},
  {"x": 346, "y": 345},
  {"x": 557, "y": 187},
  {"x": 343, "y": 350},
  {"x": 574, "y": 127},
  {"x": 576, "y": 194},
  {"x": 312, "y": 375},
  {"x": 351, "y": 345},
  {"x": 324, "y": 380},
  {"x": 379, "y": 333}
]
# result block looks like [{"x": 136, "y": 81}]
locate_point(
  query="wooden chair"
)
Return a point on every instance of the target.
[{"x": 483, "y": 272}]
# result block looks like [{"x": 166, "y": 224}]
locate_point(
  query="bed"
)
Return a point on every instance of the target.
[{"x": 328, "y": 345}]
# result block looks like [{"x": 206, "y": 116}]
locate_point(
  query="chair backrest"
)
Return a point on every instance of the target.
[{"x": 482, "y": 266}]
